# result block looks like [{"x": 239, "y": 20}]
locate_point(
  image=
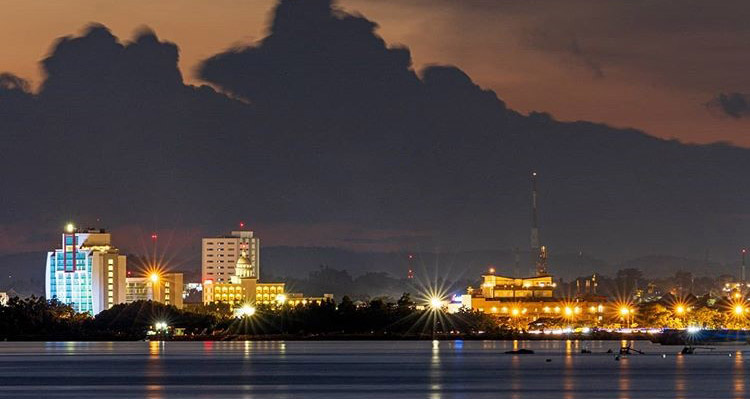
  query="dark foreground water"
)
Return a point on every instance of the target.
[{"x": 366, "y": 369}]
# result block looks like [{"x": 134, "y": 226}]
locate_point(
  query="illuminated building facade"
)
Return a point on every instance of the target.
[
  {"x": 87, "y": 272},
  {"x": 295, "y": 299},
  {"x": 220, "y": 255},
  {"x": 242, "y": 292},
  {"x": 529, "y": 299},
  {"x": 159, "y": 287},
  {"x": 242, "y": 285},
  {"x": 3, "y": 298}
]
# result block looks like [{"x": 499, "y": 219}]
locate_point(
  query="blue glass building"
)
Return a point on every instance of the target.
[{"x": 87, "y": 272}]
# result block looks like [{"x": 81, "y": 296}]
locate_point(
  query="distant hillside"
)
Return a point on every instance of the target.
[
  {"x": 24, "y": 272},
  {"x": 664, "y": 265},
  {"x": 299, "y": 261}
]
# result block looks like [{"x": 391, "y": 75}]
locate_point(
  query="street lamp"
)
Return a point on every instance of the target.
[
  {"x": 154, "y": 277},
  {"x": 245, "y": 311},
  {"x": 161, "y": 326},
  {"x": 436, "y": 303},
  {"x": 739, "y": 310},
  {"x": 626, "y": 314}
]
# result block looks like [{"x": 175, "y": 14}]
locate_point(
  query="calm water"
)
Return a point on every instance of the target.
[{"x": 446, "y": 369}]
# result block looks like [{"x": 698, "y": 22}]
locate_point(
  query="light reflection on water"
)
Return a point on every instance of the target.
[
  {"x": 366, "y": 369},
  {"x": 739, "y": 375}
]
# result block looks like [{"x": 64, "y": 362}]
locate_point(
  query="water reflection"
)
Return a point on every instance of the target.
[
  {"x": 679, "y": 377},
  {"x": 739, "y": 375},
  {"x": 568, "y": 372},
  {"x": 624, "y": 378},
  {"x": 515, "y": 377},
  {"x": 154, "y": 370},
  {"x": 435, "y": 371},
  {"x": 342, "y": 370}
]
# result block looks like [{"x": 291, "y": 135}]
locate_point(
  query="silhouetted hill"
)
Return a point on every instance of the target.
[
  {"x": 23, "y": 273},
  {"x": 664, "y": 265}
]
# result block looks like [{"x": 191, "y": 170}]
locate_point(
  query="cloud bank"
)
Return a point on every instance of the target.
[{"x": 322, "y": 123}]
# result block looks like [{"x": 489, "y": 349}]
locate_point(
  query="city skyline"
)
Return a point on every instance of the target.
[{"x": 384, "y": 198}]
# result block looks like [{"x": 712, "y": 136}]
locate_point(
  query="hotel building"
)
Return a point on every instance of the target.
[
  {"x": 87, "y": 272},
  {"x": 239, "y": 283},
  {"x": 220, "y": 255},
  {"x": 158, "y": 287},
  {"x": 243, "y": 286},
  {"x": 529, "y": 299}
]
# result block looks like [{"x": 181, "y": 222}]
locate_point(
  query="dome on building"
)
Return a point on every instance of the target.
[{"x": 243, "y": 268}]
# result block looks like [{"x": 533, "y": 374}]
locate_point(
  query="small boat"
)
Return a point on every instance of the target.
[
  {"x": 627, "y": 350},
  {"x": 522, "y": 351}
]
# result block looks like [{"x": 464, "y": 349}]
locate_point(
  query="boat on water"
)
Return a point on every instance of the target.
[{"x": 700, "y": 336}]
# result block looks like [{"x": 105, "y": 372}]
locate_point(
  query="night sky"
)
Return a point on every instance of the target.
[{"x": 377, "y": 125}]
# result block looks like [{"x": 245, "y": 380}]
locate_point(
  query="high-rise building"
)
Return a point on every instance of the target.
[
  {"x": 159, "y": 287},
  {"x": 238, "y": 284},
  {"x": 220, "y": 256},
  {"x": 87, "y": 272}
]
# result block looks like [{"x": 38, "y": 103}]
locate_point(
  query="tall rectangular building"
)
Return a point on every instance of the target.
[
  {"x": 87, "y": 272},
  {"x": 220, "y": 255},
  {"x": 159, "y": 287}
]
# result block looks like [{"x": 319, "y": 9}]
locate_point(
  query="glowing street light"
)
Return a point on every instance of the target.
[
  {"x": 154, "y": 277},
  {"x": 161, "y": 326},
  {"x": 679, "y": 309},
  {"x": 70, "y": 228},
  {"x": 281, "y": 299},
  {"x": 739, "y": 310},
  {"x": 624, "y": 311},
  {"x": 436, "y": 303},
  {"x": 245, "y": 311}
]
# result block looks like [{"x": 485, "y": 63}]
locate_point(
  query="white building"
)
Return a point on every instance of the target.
[
  {"x": 87, "y": 272},
  {"x": 3, "y": 298},
  {"x": 220, "y": 255}
]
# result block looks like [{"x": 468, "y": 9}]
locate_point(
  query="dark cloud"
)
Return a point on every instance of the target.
[
  {"x": 736, "y": 105},
  {"x": 336, "y": 128},
  {"x": 566, "y": 46},
  {"x": 10, "y": 83}
]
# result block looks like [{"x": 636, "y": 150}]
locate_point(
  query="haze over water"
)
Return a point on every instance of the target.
[{"x": 366, "y": 369}]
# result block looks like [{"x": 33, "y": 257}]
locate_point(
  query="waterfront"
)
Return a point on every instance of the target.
[{"x": 367, "y": 369}]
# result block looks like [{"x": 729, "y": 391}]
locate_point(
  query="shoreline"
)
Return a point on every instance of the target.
[{"x": 351, "y": 337}]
